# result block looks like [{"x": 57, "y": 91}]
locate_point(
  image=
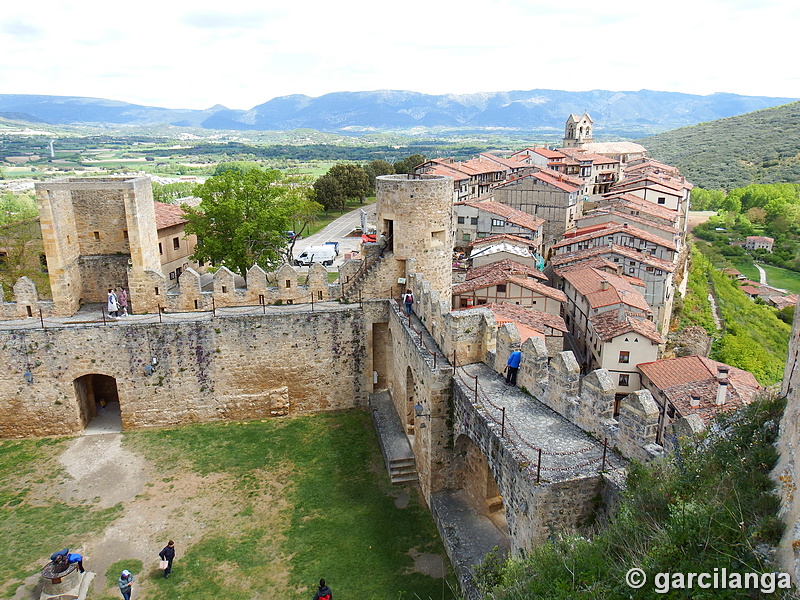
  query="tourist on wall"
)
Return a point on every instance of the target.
[
  {"x": 323, "y": 592},
  {"x": 122, "y": 297},
  {"x": 113, "y": 303},
  {"x": 125, "y": 582},
  {"x": 512, "y": 366},
  {"x": 167, "y": 555},
  {"x": 382, "y": 242},
  {"x": 408, "y": 300}
]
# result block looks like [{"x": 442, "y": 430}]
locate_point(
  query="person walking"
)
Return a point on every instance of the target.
[
  {"x": 168, "y": 554},
  {"x": 408, "y": 300},
  {"x": 122, "y": 297},
  {"x": 125, "y": 582},
  {"x": 512, "y": 366},
  {"x": 323, "y": 592},
  {"x": 113, "y": 303}
]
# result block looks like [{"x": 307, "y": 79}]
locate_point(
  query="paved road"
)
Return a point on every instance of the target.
[
  {"x": 761, "y": 273},
  {"x": 337, "y": 232}
]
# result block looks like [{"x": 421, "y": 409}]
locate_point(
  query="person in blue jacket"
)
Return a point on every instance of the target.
[{"x": 512, "y": 366}]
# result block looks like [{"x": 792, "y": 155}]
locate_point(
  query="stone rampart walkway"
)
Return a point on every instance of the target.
[
  {"x": 552, "y": 448},
  {"x": 92, "y": 315}
]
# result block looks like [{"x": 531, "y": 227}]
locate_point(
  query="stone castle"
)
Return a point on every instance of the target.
[{"x": 534, "y": 459}]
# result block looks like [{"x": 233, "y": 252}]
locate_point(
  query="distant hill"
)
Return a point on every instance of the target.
[
  {"x": 758, "y": 147},
  {"x": 616, "y": 114}
]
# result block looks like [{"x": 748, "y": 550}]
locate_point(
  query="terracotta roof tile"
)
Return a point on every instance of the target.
[
  {"x": 512, "y": 215},
  {"x": 168, "y": 215},
  {"x": 495, "y": 277},
  {"x": 561, "y": 260},
  {"x": 608, "y": 326},
  {"x": 527, "y": 316},
  {"x": 589, "y": 283},
  {"x": 612, "y": 228}
]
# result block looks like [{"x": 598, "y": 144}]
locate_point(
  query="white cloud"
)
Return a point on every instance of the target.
[{"x": 193, "y": 55}]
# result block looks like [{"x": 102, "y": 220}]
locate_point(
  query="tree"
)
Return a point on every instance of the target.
[
  {"x": 376, "y": 168},
  {"x": 407, "y": 164},
  {"x": 235, "y": 165},
  {"x": 243, "y": 217},
  {"x": 340, "y": 183},
  {"x": 170, "y": 192}
]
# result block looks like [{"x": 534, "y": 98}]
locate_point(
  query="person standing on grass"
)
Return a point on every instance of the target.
[
  {"x": 323, "y": 592},
  {"x": 125, "y": 582},
  {"x": 512, "y": 366},
  {"x": 168, "y": 554}
]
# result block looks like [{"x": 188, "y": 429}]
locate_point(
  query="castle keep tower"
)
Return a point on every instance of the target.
[
  {"x": 99, "y": 233},
  {"x": 578, "y": 131},
  {"x": 416, "y": 213}
]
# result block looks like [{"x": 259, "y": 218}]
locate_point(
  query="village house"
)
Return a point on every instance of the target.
[
  {"x": 623, "y": 235},
  {"x": 637, "y": 207},
  {"x": 609, "y": 215},
  {"x": 175, "y": 248},
  {"x": 507, "y": 283},
  {"x": 482, "y": 218},
  {"x": 532, "y": 323},
  {"x": 759, "y": 242},
  {"x": 695, "y": 385},
  {"x": 505, "y": 247}
]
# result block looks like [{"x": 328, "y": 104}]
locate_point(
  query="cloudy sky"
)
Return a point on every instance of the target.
[{"x": 180, "y": 54}]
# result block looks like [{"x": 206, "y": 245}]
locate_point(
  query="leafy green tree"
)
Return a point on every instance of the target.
[
  {"x": 170, "y": 192},
  {"x": 376, "y": 168},
  {"x": 329, "y": 193},
  {"x": 235, "y": 165},
  {"x": 407, "y": 164},
  {"x": 341, "y": 183},
  {"x": 243, "y": 216},
  {"x": 17, "y": 207}
]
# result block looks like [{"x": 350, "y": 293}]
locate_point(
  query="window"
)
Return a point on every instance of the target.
[
  {"x": 156, "y": 291},
  {"x": 649, "y": 269},
  {"x": 176, "y": 243},
  {"x": 461, "y": 220},
  {"x": 178, "y": 272},
  {"x": 662, "y": 200},
  {"x": 97, "y": 235},
  {"x": 465, "y": 237},
  {"x": 124, "y": 234},
  {"x": 501, "y": 288},
  {"x": 160, "y": 249},
  {"x": 473, "y": 221},
  {"x": 319, "y": 294},
  {"x": 632, "y": 270},
  {"x": 659, "y": 271},
  {"x": 261, "y": 298},
  {"x": 288, "y": 283},
  {"x": 624, "y": 357},
  {"x": 172, "y": 274},
  {"x": 224, "y": 289},
  {"x": 498, "y": 222},
  {"x": 624, "y": 380}
]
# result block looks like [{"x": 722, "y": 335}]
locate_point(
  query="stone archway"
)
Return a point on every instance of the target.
[
  {"x": 478, "y": 485},
  {"x": 98, "y": 401}
]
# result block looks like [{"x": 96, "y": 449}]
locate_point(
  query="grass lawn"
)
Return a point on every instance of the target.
[
  {"x": 259, "y": 510},
  {"x": 782, "y": 278},
  {"x": 746, "y": 267}
]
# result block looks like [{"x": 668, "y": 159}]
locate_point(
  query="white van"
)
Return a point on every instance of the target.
[{"x": 316, "y": 254}]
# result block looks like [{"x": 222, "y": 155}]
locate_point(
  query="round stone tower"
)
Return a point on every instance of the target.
[{"x": 416, "y": 214}]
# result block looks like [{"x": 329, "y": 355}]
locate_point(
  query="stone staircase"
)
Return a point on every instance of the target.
[
  {"x": 402, "y": 470},
  {"x": 395, "y": 447},
  {"x": 350, "y": 293}
]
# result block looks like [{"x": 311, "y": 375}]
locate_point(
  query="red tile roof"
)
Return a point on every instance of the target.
[
  {"x": 634, "y": 202},
  {"x": 612, "y": 228},
  {"x": 608, "y": 326},
  {"x": 512, "y": 215},
  {"x": 615, "y": 216},
  {"x": 611, "y": 249},
  {"x": 678, "y": 378},
  {"x": 527, "y": 316},
  {"x": 499, "y": 277},
  {"x": 508, "y": 267},
  {"x": 589, "y": 283},
  {"x": 168, "y": 215}
]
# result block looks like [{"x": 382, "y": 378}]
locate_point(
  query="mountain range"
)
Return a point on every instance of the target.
[{"x": 616, "y": 113}]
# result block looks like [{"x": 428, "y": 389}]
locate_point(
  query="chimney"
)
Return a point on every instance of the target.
[
  {"x": 722, "y": 372},
  {"x": 722, "y": 392},
  {"x": 603, "y": 284},
  {"x": 694, "y": 400}
]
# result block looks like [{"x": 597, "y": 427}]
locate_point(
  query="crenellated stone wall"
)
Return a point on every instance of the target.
[{"x": 241, "y": 367}]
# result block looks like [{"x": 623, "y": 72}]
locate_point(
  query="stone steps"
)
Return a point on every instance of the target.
[{"x": 402, "y": 470}]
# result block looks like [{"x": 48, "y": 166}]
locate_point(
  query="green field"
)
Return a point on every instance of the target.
[
  {"x": 282, "y": 502},
  {"x": 782, "y": 278}
]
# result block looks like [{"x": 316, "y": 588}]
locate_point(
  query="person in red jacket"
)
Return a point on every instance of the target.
[{"x": 324, "y": 592}]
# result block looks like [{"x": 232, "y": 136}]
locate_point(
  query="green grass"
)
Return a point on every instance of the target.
[
  {"x": 30, "y": 529},
  {"x": 746, "y": 267},
  {"x": 782, "y": 278},
  {"x": 695, "y": 307},
  {"x": 341, "y": 522}
]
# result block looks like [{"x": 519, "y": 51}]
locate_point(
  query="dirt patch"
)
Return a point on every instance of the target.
[
  {"x": 432, "y": 565},
  {"x": 158, "y": 506}
]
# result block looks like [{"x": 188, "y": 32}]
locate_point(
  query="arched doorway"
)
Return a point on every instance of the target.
[{"x": 98, "y": 402}]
